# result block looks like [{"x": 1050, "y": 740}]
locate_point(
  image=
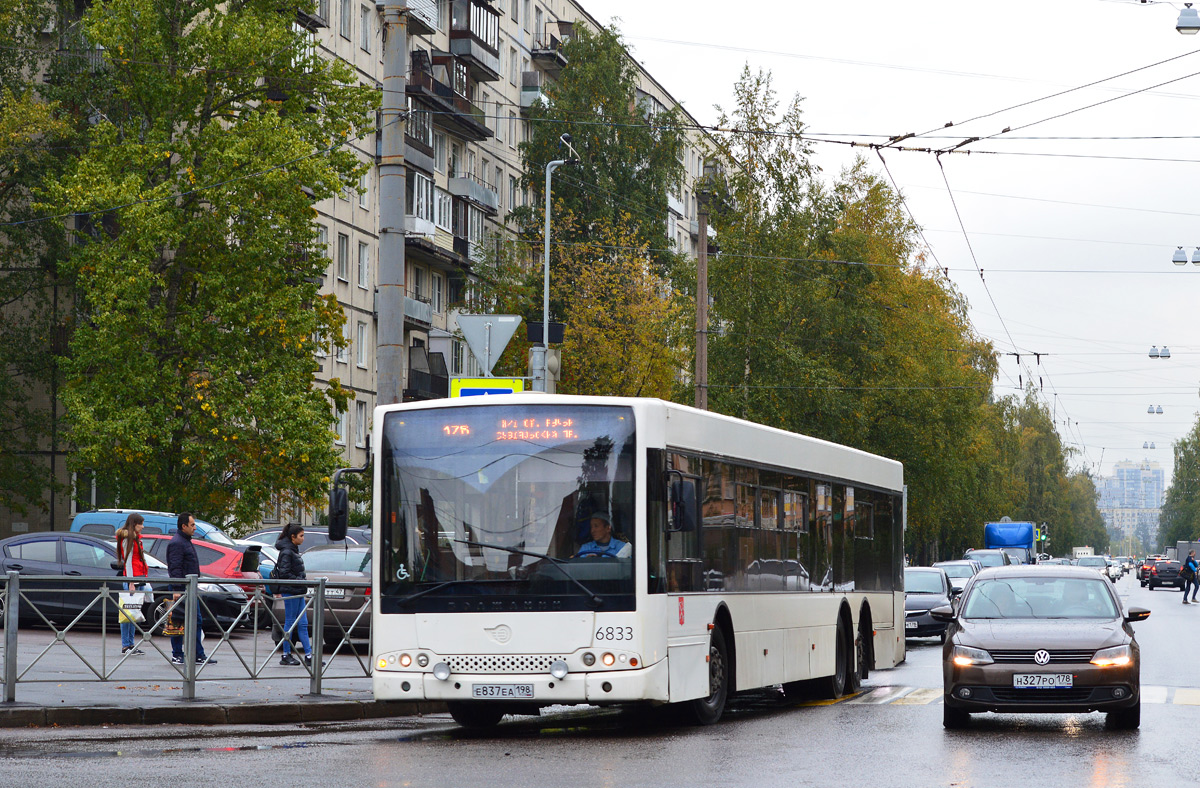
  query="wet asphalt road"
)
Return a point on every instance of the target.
[{"x": 889, "y": 736}]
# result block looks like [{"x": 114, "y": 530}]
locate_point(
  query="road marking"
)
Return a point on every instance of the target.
[
  {"x": 880, "y": 695},
  {"x": 919, "y": 697},
  {"x": 1155, "y": 694},
  {"x": 1187, "y": 697}
]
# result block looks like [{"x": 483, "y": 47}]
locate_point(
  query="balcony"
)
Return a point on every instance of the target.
[
  {"x": 428, "y": 377},
  {"x": 422, "y": 17},
  {"x": 478, "y": 192},
  {"x": 531, "y": 89},
  {"x": 415, "y": 225},
  {"x": 675, "y": 205},
  {"x": 475, "y": 38},
  {"x": 547, "y": 50},
  {"x": 463, "y": 117},
  {"x": 315, "y": 19},
  {"x": 418, "y": 311}
]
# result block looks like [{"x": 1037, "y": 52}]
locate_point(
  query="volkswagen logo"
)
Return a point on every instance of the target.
[
  {"x": 1041, "y": 656},
  {"x": 502, "y": 633}
]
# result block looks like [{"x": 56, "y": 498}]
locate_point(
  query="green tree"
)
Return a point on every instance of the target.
[
  {"x": 32, "y": 139},
  {"x": 629, "y": 151},
  {"x": 211, "y": 129},
  {"x": 1180, "y": 518}
]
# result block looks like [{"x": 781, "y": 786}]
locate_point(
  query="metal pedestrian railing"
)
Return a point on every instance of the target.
[{"x": 25, "y": 599}]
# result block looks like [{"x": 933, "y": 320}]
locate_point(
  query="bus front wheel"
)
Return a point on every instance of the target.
[
  {"x": 834, "y": 686},
  {"x": 707, "y": 711},
  {"x": 476, "y": 715}
]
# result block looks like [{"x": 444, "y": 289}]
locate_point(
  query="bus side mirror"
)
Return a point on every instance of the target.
[
  {"x": 683, "y": 506},
  {"x": 339, "y": 513}
]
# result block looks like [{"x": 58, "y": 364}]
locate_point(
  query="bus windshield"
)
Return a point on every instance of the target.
[{"x": 507, "y": 507}]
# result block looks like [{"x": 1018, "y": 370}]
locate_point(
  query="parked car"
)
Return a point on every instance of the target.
[
  {"x": 338, "y": 564},
  {"x": 106, "y": 522},
  {"x": 992, "y": 557},
  {"x": 924, "y": 589},
  {"x": 314, "y": 536},
  {"x": 233, "y": 561},
  {"x": 42, "y": 559},
  {"x": 1165, "y": 573},
  {"x": 959, "y": 572},
  {"x": 1041, "y": 639}
]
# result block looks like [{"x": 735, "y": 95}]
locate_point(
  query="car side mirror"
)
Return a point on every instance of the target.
[
  {"x": 116, "y": 565},
  {"x": 1137, "y": 614},
  {"x": 942, "y": 613},
  {"x": 954, "y": 592}
]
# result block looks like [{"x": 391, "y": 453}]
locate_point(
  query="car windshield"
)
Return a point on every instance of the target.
[
  {"x": 338, "y": 560},
  {"x": 1092, "y": 560},
  {"x": 957, "y": 570},
  {"x": 488, "y": 505},
  {"x": 1040, "y": 597},
  {"x": 988, "y": 559},
  {"x": 923, "y": 582}
]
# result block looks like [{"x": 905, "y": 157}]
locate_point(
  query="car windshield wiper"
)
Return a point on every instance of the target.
[{"x": 557, "y": 562}]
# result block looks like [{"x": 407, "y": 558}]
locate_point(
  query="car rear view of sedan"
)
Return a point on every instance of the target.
[{"x": 1041, "y": 639}]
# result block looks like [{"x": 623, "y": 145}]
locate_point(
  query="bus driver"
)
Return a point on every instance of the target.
[{"x": 604, "y": 544}]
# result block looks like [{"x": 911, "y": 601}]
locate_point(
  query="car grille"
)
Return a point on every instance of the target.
[
  {"x": 516, "y": 663},
  {"x": 1073, "y": 695},
  {"x": 1024, "y": 656}
]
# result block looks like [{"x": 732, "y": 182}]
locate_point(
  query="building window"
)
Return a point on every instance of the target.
[
  {"x": 525, "y": 13},
  {"x": 513, "y": 188},
  {"x": 364, "y": 35},
  {"x": 419, "y": 125},
  {"x": 513, "y": 73},
  {"x": 512, "y": 129},
  {"x": 323, "y": 9},
  {"x": 418, "y": 282},
  {"x": 343, "y": 352},
  {"x": 364, "y": 191},
  {"x": 347, "y": 19},
  {"x": 514, "y": 9},
  {"x": 360, "y": 424},
  {"x": 420, "y": 196},
  {"x": 443, "y": 215},
  {"x": 539, "y": 31},
  {"x": 456, "y": 351},
  {"x": 360, "y": 350},
  {"x": 318, "y": 340},
  {"x": 436, "y": 295},
  {"x": 343, "y": 257},
  {"x": 343, "y": 428},
  {"x": 364, "y": 267},
  {"x": 322, "y": 241},
  {"x": 439, "y": 151}
]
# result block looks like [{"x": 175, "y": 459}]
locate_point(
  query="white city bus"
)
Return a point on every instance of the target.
[{"x": 756, "y": 557}]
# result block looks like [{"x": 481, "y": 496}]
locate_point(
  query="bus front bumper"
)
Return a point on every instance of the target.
[{"x": 598, "y": 687}]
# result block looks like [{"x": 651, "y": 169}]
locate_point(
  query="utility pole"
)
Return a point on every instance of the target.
[
  {"x": 389, "y": 336},
  {"x": 702, "y": 305}
]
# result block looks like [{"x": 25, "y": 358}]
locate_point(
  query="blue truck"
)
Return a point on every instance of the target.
[{"x": 1015, "y": 538}]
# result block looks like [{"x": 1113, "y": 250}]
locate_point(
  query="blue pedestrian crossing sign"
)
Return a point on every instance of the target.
[{"x": 477, "y": 387}]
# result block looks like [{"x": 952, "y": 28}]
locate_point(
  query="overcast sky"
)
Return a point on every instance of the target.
[{"x": 1075, "y": 246}]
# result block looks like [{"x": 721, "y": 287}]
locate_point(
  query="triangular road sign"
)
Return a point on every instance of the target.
[{"x": 488, "y": 335}]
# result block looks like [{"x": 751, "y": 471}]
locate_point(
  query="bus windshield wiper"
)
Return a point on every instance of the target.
[
  {"x": 557, "y": 562},
  {"x": 431, "y": 589}
]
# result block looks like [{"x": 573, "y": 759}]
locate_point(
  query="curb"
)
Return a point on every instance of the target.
[{"x": 28, "y": 716}]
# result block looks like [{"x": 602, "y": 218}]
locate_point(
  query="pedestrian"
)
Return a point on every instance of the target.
[
  {"x": 133, "y": 559},
  {"x": 1190, "y": 581},
  {"x": 181, "y": 562},
  {"x": 290, "y": 566}
]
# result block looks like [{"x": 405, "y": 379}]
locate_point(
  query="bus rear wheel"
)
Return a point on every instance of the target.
[
  {"x": 476, "y": 715},
  {"x": 706, "y": 711}
]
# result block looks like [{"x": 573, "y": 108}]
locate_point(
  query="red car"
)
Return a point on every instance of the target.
[{"x": 216, "y": 560}]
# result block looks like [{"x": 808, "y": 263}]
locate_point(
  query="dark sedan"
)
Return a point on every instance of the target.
[
  {"x": 1165, "y": 573},
  {"x": 924, "y": 589},
  {"x": 1041, "y": 639},
  {"x": 44, "y": 559}
]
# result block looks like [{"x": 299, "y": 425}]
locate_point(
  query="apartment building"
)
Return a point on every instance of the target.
[{"x": 474, "y": 69}]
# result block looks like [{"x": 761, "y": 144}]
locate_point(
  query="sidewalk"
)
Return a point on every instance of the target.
[{"x": 62, "y": 690}]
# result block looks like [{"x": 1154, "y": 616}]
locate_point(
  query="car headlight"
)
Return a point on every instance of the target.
[
  {"x": 1114, "y": 657},
  {"x": 965, "y": 656}
]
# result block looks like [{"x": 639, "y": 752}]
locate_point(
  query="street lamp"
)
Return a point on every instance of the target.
[
  {"x": 1189, "y": 21},
  {"x": 541, "y": 371},
  {"x": 1152, "y": 409},
  {"x": 1156, "y": 353},
  {"x": 1180, "y": 257}
]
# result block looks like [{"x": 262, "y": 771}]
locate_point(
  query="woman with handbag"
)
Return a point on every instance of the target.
[
  {"x": 290, "y": 566},
  {"x": 133, "y": 559}
]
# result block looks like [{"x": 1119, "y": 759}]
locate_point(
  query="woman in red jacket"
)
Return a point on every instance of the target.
[{"x": 133, "y": 559}]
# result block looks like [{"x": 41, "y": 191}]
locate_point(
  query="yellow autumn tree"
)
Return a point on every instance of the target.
[{"x": 627, "y": 327}]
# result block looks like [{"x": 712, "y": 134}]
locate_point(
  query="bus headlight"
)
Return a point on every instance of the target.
[
  {"x": 589, "y": 658},
  {"x": 441, "y": 671},
  {"x": 558, "y": 669},
  {"x": 422, "y": 660},
  {"x": 405, "y": 660},
  {"x": 608, "y": 659}
]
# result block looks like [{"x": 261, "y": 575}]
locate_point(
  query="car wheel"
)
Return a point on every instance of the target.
[
  {"x": 706, "y": 711},
  {"x": 955, "y": 719},
  {"x": 942, "y": 637},
  {"x": 1126, "y": 719},
  {"x": 476, "y": 715}
]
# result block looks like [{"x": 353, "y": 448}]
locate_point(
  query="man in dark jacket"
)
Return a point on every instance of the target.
[{"x": 181, "y": 562}]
